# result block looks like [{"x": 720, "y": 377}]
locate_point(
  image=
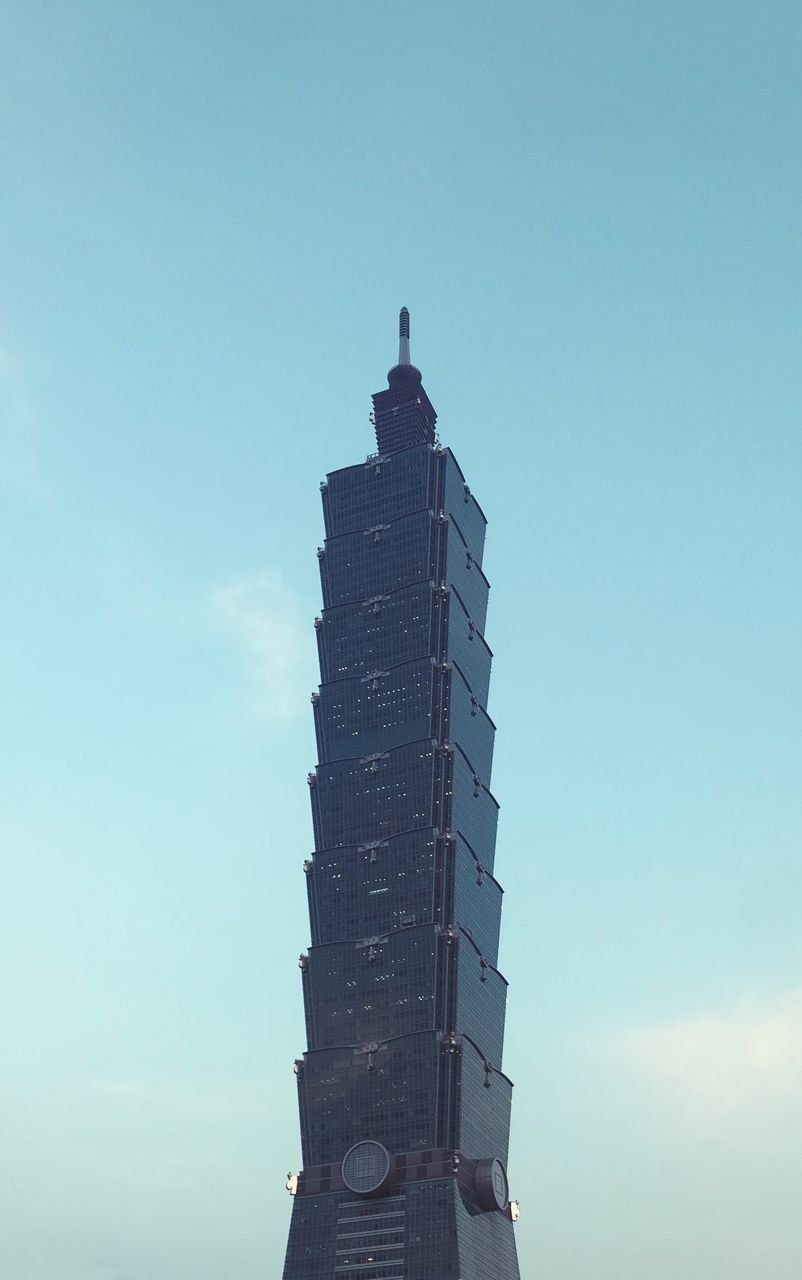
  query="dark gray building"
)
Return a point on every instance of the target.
[{"x": 405, "y": 1111}]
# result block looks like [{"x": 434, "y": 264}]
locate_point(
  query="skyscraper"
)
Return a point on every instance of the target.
[{"x": 404, "y": 1108}]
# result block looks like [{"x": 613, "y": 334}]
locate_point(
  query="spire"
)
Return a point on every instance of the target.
[
  {"x": 403, "y": 374},
  {"x": 403, "y": 336},
  {"x": 403, "y": 414}
]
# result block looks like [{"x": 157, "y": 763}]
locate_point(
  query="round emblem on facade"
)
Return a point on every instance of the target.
[
  {"x": 490, "y": 1181},
  {"x": 366, "y": 1168}
]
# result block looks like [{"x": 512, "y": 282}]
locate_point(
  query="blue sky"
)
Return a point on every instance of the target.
[{"x": 210, "y": 215}]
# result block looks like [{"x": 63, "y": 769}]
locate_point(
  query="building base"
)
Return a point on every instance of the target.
[{"x": 430, "y": 1230}]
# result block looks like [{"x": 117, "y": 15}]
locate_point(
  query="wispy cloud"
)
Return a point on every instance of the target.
[
  {"x": 185, "y": 1102},
  {"x": 20, "y": 466},
  {"x": 109, "y": 1269},
  {"x": 101, "y": 1174},
  {"x": 263, "y": 615},
  {"x": 746, "y": 1060}
]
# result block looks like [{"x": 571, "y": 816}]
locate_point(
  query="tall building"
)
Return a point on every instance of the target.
[{"x": 404, "y": 1108}]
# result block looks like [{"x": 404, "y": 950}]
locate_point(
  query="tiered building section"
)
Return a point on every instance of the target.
[{"x": 404, "y": 1108}]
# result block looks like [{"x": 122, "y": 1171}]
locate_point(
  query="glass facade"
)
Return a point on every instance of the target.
[{"x": 402, "y": 1099}]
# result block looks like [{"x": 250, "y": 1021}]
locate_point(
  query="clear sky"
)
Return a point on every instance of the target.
[{"x": 209, "y": 216}]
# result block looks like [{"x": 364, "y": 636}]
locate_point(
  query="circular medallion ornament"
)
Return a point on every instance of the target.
[
  {"x": 366, "y": 1168},
  {"x": 490, "y": 1180}
]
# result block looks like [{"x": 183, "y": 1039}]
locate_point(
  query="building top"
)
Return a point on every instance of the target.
[{"x": 403, "y": 414}]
